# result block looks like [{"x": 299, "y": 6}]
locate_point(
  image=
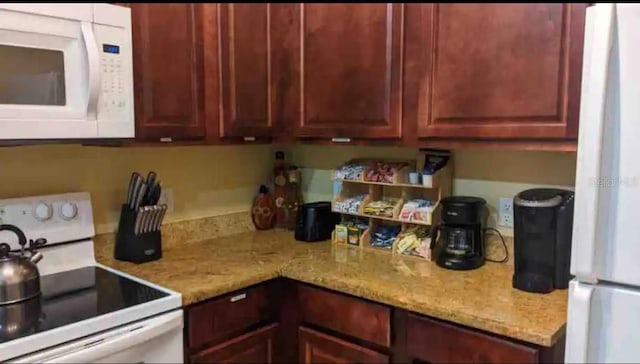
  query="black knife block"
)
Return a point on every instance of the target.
[{"x": 136, "y": 248}]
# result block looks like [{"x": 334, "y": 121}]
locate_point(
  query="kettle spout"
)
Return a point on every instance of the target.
[{"x": 35, "y": 258}]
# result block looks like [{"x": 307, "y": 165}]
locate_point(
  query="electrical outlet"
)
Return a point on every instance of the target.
[
  {"x": 166, "y": 197},
  {"x": 505, "y": 212}
]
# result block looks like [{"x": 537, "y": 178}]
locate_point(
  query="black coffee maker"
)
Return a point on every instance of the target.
[{"x": 460, "y": 242}]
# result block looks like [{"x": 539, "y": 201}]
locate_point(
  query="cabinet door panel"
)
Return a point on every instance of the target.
[
  {"x": 350, "y": 70},
  {"x": 168, "y": 70},
  {"x": 503, "y": 70},
  {"x": 254, "y": 347},
  {"x": 245, "y": 40},
  {"x": 226, "y": 316},
  {"x": 439, "y": 342},
  {"x": 316, "y": 347},
  {"x": 342, "y": 313}
]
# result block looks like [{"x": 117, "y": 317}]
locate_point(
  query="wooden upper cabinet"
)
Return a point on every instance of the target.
[
  {"x": 246, "y": 69},
  {"x": 168, "y": 72},
  {"x": 347, "y": 64},
  {"x": 501, "y": 70}
]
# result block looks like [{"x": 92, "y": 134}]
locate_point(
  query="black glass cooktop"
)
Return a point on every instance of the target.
[{"x": 72, "y": 296}]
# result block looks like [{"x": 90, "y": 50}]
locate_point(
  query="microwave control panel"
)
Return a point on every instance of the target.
[{"x": 115, "y": 103}]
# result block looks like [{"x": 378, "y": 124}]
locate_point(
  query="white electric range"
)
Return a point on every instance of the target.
[{"x": 87, "y": 312}]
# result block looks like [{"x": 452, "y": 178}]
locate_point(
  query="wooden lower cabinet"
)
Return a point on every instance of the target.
[
  {"x": 285, "y": 321},
  {"x": 316, "y": 347},
  {"x": 435, "y": 341},
  {"x": 228, "y": 316},
  {"x": 254, "y": 347},
  {"x": 344, "y": 314}
]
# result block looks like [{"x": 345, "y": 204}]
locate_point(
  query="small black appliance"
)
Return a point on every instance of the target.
[
  {"x": 315, "y": 221},
  {"x": 460, "y": 244},
  {"x": 543, "y": 222}
]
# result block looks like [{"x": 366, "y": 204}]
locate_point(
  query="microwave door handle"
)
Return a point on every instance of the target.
[{"x": 93, "y": 57}]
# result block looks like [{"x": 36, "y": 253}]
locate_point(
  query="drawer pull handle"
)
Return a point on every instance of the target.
[
  {"x": 238, "y": 297},
  {"x": 341, "y": 140}
]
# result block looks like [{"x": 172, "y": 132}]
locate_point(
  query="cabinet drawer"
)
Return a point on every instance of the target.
[
  {"x": 348, "y": 315},
  {"x": 438, "y": 342},
  {"x": 228, "y": 315},
  {"x": 316, "y": 347},
  {"x": 253, "y": 347}
]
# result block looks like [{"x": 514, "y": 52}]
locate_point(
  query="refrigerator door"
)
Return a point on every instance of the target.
[
  {"x": 602, "y": 324},
  {"x": 605, "y": 230}
]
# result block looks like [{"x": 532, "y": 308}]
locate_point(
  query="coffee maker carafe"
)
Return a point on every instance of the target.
[{"x": 459, "y": 239}]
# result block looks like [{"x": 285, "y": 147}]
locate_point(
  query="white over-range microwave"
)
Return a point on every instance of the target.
[{"x": 65, "y": 71}]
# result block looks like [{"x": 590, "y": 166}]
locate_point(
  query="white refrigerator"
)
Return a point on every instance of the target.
[{"x": 604, "y": 298}]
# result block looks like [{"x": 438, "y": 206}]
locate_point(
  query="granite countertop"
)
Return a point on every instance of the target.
[{"x": 481, "y": 298}]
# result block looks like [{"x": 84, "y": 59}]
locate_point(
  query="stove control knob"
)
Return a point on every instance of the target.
[
  {"x": 68, "y": 210},
  {"x": 42, "y": 211}
]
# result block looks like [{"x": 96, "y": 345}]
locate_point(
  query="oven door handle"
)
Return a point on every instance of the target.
[
  {"x": 93, "y": 58},
  {"x": 107, "y": 346}
]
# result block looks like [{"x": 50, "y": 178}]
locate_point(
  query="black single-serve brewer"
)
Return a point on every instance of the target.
[
  {"x": 459, "y": 238},
  {"x": 543, "y": 227}
]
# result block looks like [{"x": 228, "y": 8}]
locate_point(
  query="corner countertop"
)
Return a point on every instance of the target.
[{"x": 481, "y": 298}]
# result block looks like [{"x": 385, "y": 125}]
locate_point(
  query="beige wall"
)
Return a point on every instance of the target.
[
  {"x": 214, "y": 180},
  {"x": 207, "y": 180},
  {"x": 490, "y": 174}
]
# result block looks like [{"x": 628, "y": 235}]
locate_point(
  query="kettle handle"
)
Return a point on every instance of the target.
[
  {"x": 434, "y": 235},
  {"x": 22, "y": 239}
]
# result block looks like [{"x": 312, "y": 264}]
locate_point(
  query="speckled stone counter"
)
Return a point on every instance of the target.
[{"x": 481, "y": 298}]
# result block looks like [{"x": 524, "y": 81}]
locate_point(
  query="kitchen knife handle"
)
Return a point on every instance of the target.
[
  {"x": 147, "y": 219},
  {"x": 158, "y": 217},
  {"x": 141, "y": 191},
  {"x": 151, "y": 178},
  {"x": 154, "y": 218},
  {"x": 143, "y": 216},
  {"x": 136, "y": 225},
  {"x": 151, "y": 186},
  {"x": 152, "y": 212},
  {"x": 158, "y": 193},
  {"x": 162, "y": 213},
  {"x": 132, "y": 182}
]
